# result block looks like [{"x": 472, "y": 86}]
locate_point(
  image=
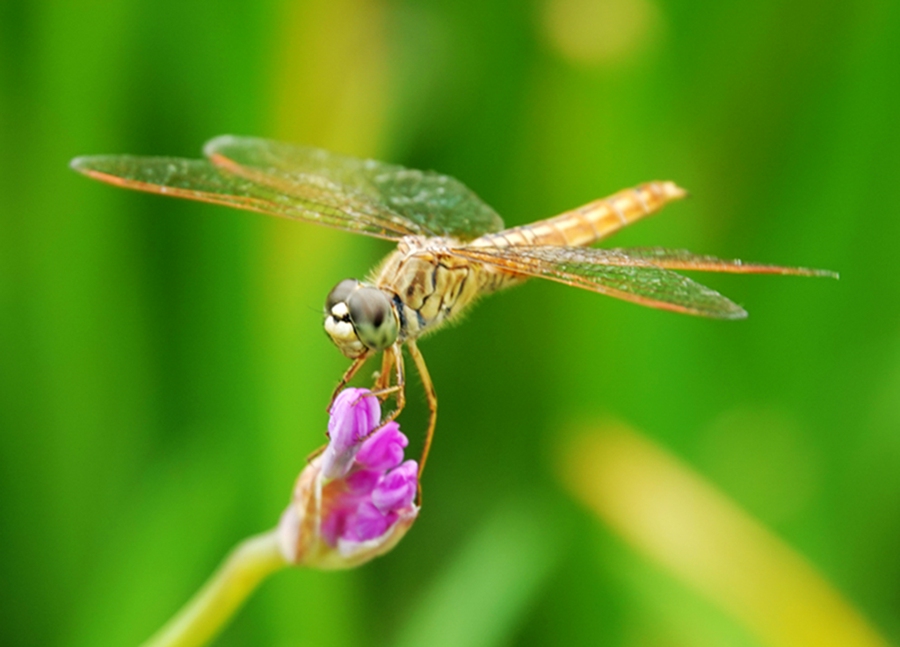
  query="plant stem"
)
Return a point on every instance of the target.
[{"x": 209, "y": 610}]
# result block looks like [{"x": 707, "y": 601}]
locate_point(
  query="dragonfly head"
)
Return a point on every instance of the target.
[{"x": 359, "y": 318}]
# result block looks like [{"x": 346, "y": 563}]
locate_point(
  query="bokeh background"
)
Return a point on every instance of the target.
[{"x": 603, "y": 473}]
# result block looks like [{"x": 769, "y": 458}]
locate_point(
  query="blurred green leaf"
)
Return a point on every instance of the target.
[{"x": 483, "y": 595}]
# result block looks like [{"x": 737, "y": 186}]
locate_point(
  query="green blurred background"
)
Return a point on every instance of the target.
[{"x": 163, "y": 372}]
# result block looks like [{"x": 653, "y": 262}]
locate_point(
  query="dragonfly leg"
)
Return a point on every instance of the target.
[
  {"x": 401, "y": 381},
  {"x": 395, "y": 355},
  {"x": 315, "y": 453},
  {"x": 348, "y": 375},
  {"x": 383, "y": 377},
  {"x": 431, "y": 396}
]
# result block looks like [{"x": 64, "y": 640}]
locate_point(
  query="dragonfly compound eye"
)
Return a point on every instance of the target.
[
  {"x": 337, "y": 319},
  {"x": 372, "y": 317},
  {"x": 339, "y": 294}
]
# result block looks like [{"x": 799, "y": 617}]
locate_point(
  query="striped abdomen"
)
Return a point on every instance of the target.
[{"x": 590, "y": 223}]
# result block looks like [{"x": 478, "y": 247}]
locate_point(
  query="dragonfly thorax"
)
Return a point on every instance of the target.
[{"x": 360, "y": 318}]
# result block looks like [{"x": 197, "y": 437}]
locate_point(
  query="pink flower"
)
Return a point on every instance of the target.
[{"x": 357, "y": 499}]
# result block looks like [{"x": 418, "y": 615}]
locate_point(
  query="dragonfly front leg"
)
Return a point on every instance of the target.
[
  {"x": 345, "y": 379},
  {"x": 348, "y": 375}
]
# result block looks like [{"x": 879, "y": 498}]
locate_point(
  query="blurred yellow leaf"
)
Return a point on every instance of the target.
[{"x": 669, "y": 513}]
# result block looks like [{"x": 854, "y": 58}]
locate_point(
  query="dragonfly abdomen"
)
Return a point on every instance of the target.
[{"x": 589, "y": 223}]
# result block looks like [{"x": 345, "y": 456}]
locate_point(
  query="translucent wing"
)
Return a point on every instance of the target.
[
  {"x": 610, "y": 272},
  {"x": 681, "y": 259},
  {"x": 430, "y": 203},
  {"x": 200, "y": 180}
]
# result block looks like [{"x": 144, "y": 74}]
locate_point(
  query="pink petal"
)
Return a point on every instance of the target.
[
  {"x": 383, "y": 449},
  {"x": 397, "y": 490},
  {"x": 368, "y": 523}
]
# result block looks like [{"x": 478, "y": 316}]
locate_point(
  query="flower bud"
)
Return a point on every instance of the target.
[
  {"x": 356, "y": 500},
  {"x": 354, "y": 414}
]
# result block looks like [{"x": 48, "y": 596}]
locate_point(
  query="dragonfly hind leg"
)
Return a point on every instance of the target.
[{"x": 431, "y": 396}]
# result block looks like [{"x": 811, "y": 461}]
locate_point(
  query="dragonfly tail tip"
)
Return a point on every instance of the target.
[{"x": 674, "y": 192}]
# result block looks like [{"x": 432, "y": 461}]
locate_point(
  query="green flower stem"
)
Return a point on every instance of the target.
[{"x": 209, "y": 610}]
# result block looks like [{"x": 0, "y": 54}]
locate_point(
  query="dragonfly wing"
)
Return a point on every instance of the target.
[
  {"x": 200, "y": 180},
  {"x": 681, "y": 259},
  {"x": 613, "y": 273},
  {"x": 424, "y": 201}
]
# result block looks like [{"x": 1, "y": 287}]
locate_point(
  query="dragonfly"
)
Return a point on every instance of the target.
[{"x": 452, "y": 248}]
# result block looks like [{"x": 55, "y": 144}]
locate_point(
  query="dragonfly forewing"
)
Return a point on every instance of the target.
[
  {"x": 202, "y": 181},
  {"x": 423, "y": 202}
]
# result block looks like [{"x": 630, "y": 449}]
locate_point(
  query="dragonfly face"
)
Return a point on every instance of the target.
[{"x": 360, "y": 318}]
